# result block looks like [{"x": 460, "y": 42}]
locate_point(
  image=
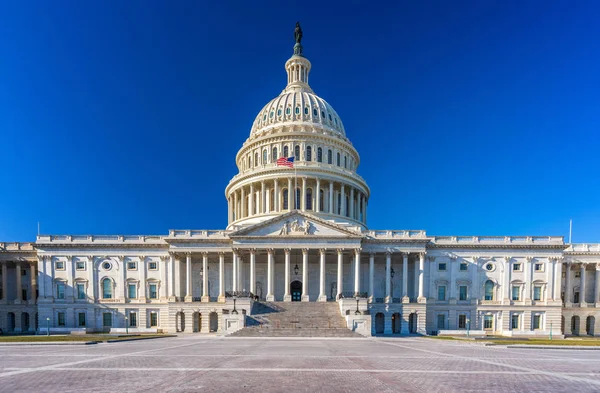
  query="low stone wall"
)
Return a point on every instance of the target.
[
  {"x": 233, "y": 322},
  {"x": 360, "y": 324}
]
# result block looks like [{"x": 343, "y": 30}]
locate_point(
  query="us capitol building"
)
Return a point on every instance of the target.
[{"x": 300, "y": 235}]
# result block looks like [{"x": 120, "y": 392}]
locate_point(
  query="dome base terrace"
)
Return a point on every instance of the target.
[{"x": 332, "y": 218}]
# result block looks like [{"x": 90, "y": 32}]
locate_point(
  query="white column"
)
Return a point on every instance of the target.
[
  {"x": 388, "y": 277},
  {"x": 243, "y": 212},
  {"x": 287, "y": 297},
  {"x": 352, "y": 202},
  {"x": 221, "y": 277},
  {"x": 172, "y": 277},
  {"x": 343, "y": 201},
  {"x": 318, "y": 206},
  {"x": 91, "y": 290},
  {"x": 263, "y": 205},
  {"x": 32, "y": 283},
  {"x": 188, "y": 278},
  {"x": 452, "y": 290},
  {"x": 268, "y": 201},
  {"x": 303, "y": 196},
  {"x": 5, "y": 281},
  {"x": 357, "y": 271},
  {"x": 549, "y": 269},
  {"x": 305, "y": 297},
  {"x": 291, "y": 196},
  {"x": 474, "y": 290},
  {"x": 405, "y": 298},
  {"x": 507, "y": 268},
  {"x": 371, "y": 275},
  {"x": 276, "y": 196},
  {"x": 528, "y": 275},
  {"x": 251, "y": 201},
  {"x": 330, "y": 197},
  {"x": 124, "y": 289},
  {"x": 322, "y": 294},
  {"x": 205, "y": 297},
  {"x": 597, "y": 288},
  {"x": 568, "y": 297},
  {"x": 582, "y": 283},
  {"x": 421, "y": 298},
  {"x": 70, "y": 287},
  {"x": 270, "y": 267},
  {"x": 340, "y": 273},
  {"x": 235, "y": 206},
  {"x": 240, "y": 273},
  {"x": 253, "y": 271},
  {"x": 234, "y": 271},
  {"x": 142, "y": 270}
]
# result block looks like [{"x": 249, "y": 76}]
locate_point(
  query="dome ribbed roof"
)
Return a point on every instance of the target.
[{"x": 294, "y": 107}]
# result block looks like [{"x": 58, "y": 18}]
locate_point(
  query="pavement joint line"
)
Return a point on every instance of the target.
[
  {"x": 539, "y": 372},
  {"x": 55, "y": 366},
  {"x": 297, "y": 370}
]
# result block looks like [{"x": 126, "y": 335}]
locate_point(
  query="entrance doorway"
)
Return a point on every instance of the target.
[
  {"x": 296, "y": 291},
  {"x": 396, "y": 318},
  {"x": 213, "y": 321}
]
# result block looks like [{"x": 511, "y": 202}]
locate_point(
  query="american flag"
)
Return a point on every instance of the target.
[{"x": 286, "y": 161}]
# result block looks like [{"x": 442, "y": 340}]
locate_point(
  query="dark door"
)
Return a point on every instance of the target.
[{"x": 296, "y": 291}]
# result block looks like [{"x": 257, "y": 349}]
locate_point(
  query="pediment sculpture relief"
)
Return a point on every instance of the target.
[{"x": 297, "y": 228}]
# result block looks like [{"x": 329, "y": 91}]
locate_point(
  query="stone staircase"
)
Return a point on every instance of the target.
[{"x": 295, "y": 319}]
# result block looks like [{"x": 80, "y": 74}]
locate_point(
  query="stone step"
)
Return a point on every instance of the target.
[{"x": 274, "y": 332}]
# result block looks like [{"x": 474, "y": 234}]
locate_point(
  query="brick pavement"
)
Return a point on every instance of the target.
[{"x": 210, "y": 364}]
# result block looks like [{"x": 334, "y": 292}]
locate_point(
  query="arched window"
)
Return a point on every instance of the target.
[
  {"x": 274, "y": 154},
  {"x": 107, "y": 289},
  {"x": 285, "y": 151},
  {"x": 287, "y": 110},
  {"x": 306, "y": 110},
  {"x": 489, "y": 290},
  {"x": 321, "y": 200},
  {"x": 338, "y": 159},
  {"x": 309, "y": 199},
  {"x": 315, "y": 113},
  {"x": 256, "y": 159},
  {"x": 297, "y": 202},
  {"x": 329, "y": 157},
  {"x": 345, "y": 162},
  {"x": 297, "y": 110},
  {"x": 265, "y": 156},
  {"x": 308, "y": 153},
  {"x": 319, "y": 155},
  {"x": 285, "y": 199},
  {"x": 297, "y": 152}
]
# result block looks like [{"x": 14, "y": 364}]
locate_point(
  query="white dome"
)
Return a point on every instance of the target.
[{"x": 297, "y": 107}]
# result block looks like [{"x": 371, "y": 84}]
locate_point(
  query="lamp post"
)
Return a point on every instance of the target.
[
  {"x": 47, "y": 326},
  {"x": 357, "y": 312},
  {"x": 126, "y": 325},
  {"x": 234, "y": 299},
  {"x": 468, "y": 326},
  {"x": 550, "y": 330}
]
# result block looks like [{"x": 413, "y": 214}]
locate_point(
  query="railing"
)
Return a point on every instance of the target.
[
  {"x": 584, "y": 247},
  {"x": 16, "y": 246},
  {"x": 197, "y": 234},
  {"x": 106, "y": 239},
  {"x": 419, "y": 234},
  {"x": 550, "y": 240},
  {"x": 354, "y": 295},
  {"x": 240, "y": 294}
]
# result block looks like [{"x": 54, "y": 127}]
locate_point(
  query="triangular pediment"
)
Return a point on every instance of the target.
[{"x": 296, "y": 224}]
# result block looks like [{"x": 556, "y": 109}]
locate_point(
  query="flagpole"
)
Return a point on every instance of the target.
[{"x": 295, "y": 188}]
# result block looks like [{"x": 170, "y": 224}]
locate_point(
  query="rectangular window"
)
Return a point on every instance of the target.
[
  {"x": 24, "y": 294},
  {"x": 132, "y": 319},
  {"x": 442, "y": 266},
  {"x": 81, "y": 291},
  {"x": 462, "y": 321},
  {"x": 516, "y": 267},
  {"x": 577, "y": 274},
  {"x": 153, "y": 291},
  {"x": 24, "y": 272},
  {"x": 537, "y": 322},
  {"x": 442, "y": 293},
  {"x": 60, "y": 290},
  {"x": 516, "y": 293},
  {"x": 539, "y": 267},
  {"x": 514, "y": 321},
  {"x": 152, "y": 266},
  {"x": 153, "y": 319},
  {"x": 107, "y": 319},
  {"x": 462, "y": 292},
  {"x": 81, "y": 319},
  {"x": 60, "y": 265},
  {"x": 537, "y": 292},
  {"x": 61, "y": 318},
  {"x": 131, "y": 265},
  {"x": 488, "y": 322},
  {"x": 132, "y": 291},
  {"x": 79, "y": 265},
  {"x": 441, "y": 321},
  {"x": 463, "y": 266},
  {"x": 576, "y": 297}
]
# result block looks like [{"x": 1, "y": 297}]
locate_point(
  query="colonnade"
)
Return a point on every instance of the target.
[
  {"x": 312, "y": 194},
  {"x": 570, "y": 293},
  {"x": 237, "y": 271},
  {"x": 19, "y": 283}
]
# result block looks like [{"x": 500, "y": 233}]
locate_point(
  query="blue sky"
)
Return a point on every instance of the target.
[{"x": 471, "y": 117}]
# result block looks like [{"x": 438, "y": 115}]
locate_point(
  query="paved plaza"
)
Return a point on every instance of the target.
[{"x": 214, "y": 364}]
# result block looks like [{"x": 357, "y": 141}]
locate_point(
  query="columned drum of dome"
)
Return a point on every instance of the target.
[{"x": 324, "y": 181}]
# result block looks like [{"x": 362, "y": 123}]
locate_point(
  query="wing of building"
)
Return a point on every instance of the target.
[{"x": 297, "y": 232}]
